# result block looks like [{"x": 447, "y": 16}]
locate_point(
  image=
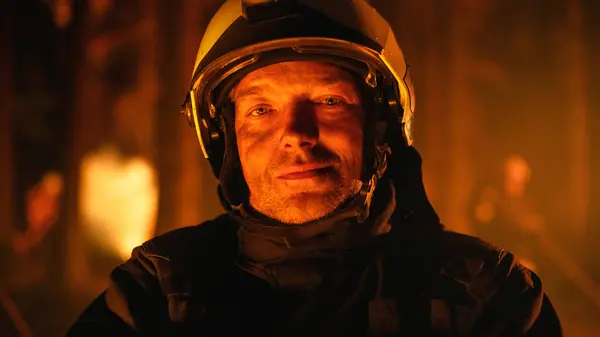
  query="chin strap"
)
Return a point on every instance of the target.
[{"x": 365, "y": 196}]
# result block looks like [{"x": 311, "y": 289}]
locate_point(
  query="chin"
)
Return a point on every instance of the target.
[
  {"x": 296, "y": 216},
  {"x": 307, "y": 207},
  {"x": 301, "y": 205}
]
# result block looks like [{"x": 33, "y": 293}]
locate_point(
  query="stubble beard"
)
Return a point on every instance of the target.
[{"x": 302, "y": 206}]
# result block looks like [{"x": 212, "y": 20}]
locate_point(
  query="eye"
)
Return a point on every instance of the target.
[
  {"x": 331, "y": 101},
  {"x": 258, "y": 111}
]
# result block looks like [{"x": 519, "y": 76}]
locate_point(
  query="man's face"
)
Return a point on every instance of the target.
[{"x": 299, "y": 128}]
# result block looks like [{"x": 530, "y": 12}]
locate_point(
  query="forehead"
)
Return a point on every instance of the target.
[{"x": 295, "y": 75}]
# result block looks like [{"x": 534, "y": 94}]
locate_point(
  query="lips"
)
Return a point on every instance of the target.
[{"x": 303, "y": 171}]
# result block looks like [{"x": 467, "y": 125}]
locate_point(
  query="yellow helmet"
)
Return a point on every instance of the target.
[{"x": 248, "y": 34}]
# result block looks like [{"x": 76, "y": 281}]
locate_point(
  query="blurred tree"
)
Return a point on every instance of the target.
[
  {"x": 39, "y": 77},
  {"x": 115, "y": 106},
  {"x": 188, "y": 189},
  {"x": 591, "y": 26},
  {"x": 6, "y": 133},
  {"x": 421, "y": 28},
  {"x": 578, "y": 136}
]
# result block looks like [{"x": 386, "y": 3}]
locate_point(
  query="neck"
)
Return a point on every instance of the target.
[{"x": 265, "y": 243}]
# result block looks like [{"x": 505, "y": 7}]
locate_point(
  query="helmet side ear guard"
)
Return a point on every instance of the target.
[
  {"x": 207, "y": 129},
  {"x": 388, "y": 101}
]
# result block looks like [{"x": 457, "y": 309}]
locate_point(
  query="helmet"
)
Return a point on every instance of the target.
[{"x": 245, "y": 35}]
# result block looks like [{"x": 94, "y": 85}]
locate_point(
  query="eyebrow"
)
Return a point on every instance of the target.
[
  {"x": 251, "y": 91},
  {"x": 327, "y": 82}
]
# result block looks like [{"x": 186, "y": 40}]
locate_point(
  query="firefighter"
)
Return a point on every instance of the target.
[{"x": 304, "y": 111}]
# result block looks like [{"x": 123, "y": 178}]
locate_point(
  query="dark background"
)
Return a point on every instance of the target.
[{"x": 493, "y": 78}]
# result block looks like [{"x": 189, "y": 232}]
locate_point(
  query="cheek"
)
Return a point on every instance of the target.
[
  {"x": 253, "y": 151},
  {"x": 348, "y": 143}
]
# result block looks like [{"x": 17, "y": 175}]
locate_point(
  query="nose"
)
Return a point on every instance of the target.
[{"x": 300, "y": 127}]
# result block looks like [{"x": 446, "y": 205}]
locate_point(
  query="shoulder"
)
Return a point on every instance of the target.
[
  {"x": 172, "y": 264},
  {"x": 467, "y": 246},
  {"x": 484, "y": 268},
  {"x": 502, "y": 293},
  {"x": 440, "y": 249},
  {"x": 178, "y": 251},
  {"x": 192, "y": 241}
]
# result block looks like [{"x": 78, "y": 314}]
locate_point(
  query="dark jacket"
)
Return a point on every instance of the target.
[
  {"x": 191, "y": 282},
  {"x": 399, "y": 273}
]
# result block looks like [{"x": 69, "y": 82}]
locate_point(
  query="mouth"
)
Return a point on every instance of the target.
[{"x": 305, "y": 171}]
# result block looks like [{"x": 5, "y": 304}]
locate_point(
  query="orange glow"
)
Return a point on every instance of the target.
[
  {"x": 43, "y": 201},
  {"x": 63, "y": 12},
  {"x": 517, "y": 175},
  {"x": 118, "y": 200}
]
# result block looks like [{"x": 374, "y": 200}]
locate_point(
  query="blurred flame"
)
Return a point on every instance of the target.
[
  {"x": 517, "y": 175},
  {"x": 118, "y": 200},
  {"x": 100, "y": 7},
  {"x": 63, "y": 12},
  {"x": 43, "y": 201}
]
